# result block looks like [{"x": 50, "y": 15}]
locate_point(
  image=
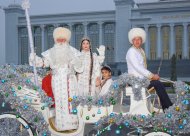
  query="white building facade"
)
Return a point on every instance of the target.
[{"x": 166, "y": 22}]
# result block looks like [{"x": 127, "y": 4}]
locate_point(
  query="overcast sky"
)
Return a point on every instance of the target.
[{"x": 58, "y": 6}]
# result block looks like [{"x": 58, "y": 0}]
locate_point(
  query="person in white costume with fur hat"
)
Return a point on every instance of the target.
[
  {"x": 92, "y": 68},
  {"x": 63, "y": 60},
  {"x": 137, "y": 66}
]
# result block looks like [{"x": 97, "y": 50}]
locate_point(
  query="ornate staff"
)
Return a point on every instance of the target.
[{"x": 26, "y": 6}]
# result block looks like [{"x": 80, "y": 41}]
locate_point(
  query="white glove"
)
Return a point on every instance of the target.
[
  {"x": 101, "y": 50},
  {"x": 39, "y": 61}
]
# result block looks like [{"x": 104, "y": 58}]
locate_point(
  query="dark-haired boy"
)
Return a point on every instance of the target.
[{"x": 102, "y": 85}]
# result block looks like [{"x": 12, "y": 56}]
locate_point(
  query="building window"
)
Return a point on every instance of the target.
[
  {"x": 37, "y": 40},
  {"x": 109, "y": 40},
  {"x": 93, "y": 33},
  {"x": 79, "y": 33},
  {"x": 50, "y": 40},
  {"x": 179, "y": 41},
  {"x": 23, "y": 36},
  {"x": 165, "y": 41},
  {"x": 153, "y": 39}
]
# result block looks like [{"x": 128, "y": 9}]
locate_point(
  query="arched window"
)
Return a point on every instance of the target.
[
  {"x": 153, "y": 39},
  {"x": 79, "y": 33},
  {"x": 93, "y": 33},
  {"x": 179, "y": 41},
  {"x": 23, "y": 36},
  {"x": 109, "y": 41},
  {"x": 165, "y": 41},
  {"x": 50, "y": 40},
  {"x": 37, "y": 40}
]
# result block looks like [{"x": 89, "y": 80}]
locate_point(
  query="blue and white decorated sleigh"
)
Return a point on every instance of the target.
[
  {"x": 33, "y": 110},
  {"x": 29, "y": 101}
]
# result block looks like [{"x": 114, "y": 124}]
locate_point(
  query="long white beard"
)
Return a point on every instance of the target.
[{"x": 61, "y": 54}]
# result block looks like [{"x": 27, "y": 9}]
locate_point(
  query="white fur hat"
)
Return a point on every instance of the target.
[
  {"x": 62, "y": 32},
  {"x": 136, "y": 32}
]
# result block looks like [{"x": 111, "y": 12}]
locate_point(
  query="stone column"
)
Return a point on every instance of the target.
[
  {"x": 172, "y": 42},
  {"x": 123, "y": 25},
  {"x": 185, "y": 50},
  {"x": 85, "y": 24},
  {"x": 43, "y": 37},
  {"x": 100, "y": 32},
  {"x": 146, "y": 47},
  {"x": 71, "y": 25},
  {"x": 159, "y": 44}
]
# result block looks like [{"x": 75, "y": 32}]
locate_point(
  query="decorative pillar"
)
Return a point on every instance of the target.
[
  {"x": 43, "y": 37},
  {"x": 172, "y": 43},
  {"x": 71, "y": 25},
  {"x": 85, "y": 24},
  {"x": 100, "y": 33},
  {"x": 185, "y": 50},
  {"x": 159, "y": 44},
  {"x": 147, "y": 48},
  {"x": 123, "y": 25}
]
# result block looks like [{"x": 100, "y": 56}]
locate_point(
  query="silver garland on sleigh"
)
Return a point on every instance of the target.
[
  {"x": 174, "y": 121},
  {"x": 115, "y": 89},
  {"x": 17, "y": 130},
  {"x": 15, "y": 75}
]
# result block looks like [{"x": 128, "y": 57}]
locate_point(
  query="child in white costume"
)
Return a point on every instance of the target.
[
  {"x": 92, "y": 68},
  {"x": 103, "y": 85},
  {"x": 63, "y": 60}
]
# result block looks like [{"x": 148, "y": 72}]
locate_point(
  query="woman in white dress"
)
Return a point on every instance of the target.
[{"x": 92, "y": 68}]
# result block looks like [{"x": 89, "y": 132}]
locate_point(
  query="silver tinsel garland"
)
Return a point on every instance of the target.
[
  {"x": 14, "y": 75},
  {"x": 174, "y": 121},
  {"x": 115, "y": 89},
  {"x": 13, "y": 128}
]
